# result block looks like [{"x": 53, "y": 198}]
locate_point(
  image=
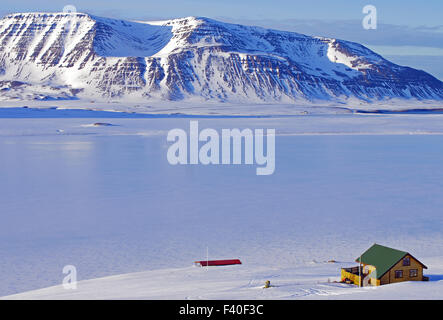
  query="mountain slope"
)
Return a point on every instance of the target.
[{"x": 82, "y": 56}]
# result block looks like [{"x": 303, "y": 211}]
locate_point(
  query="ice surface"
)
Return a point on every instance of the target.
[{"x": 105, "y": 199}]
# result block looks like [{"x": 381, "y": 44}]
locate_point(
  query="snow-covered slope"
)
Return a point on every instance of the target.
[
  {"x": 314, "y": 281},
  {"x": 76, "y": 55}
]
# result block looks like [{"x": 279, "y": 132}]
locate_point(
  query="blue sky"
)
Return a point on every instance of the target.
[
  {"x": 403, "y": 12},
  {"x": 409, "y": 32}
]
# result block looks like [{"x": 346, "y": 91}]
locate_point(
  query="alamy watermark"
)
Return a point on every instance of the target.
[
  {"x": 204, "y": 147},
  {"x": 69, "y": 9},
  {"x": 70, "y": 281},
  {"x": 370, "y": 20}
]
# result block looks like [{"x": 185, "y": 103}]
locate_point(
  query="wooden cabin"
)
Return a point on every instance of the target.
[{"x": 381, "y": 265}]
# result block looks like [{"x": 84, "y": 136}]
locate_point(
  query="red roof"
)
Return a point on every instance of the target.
[{"x": 218, "y": 262}]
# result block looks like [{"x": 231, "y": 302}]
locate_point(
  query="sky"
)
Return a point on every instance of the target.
[
  {"x": 403, "y": 12},
  {"x": 408, "y": 32}
]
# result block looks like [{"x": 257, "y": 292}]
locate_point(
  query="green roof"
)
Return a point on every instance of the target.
[{"x": 382, "y": 258}]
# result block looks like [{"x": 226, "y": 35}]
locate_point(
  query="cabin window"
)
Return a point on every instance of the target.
[
  {"x": 398, "y": 273},
  {"x": 406, "y": 261},
  {"x": 413, "y": 273}
]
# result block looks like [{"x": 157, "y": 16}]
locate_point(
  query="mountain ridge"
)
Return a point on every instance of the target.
[{"x": 62, "y": 56}]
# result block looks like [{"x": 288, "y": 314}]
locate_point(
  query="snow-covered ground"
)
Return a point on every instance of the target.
[
  {"x": 317, "y": 280},
  {"x": 105, "y": 199}
]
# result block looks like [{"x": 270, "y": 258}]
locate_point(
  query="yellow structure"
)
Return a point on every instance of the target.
[{"x": 381, "y": 265}]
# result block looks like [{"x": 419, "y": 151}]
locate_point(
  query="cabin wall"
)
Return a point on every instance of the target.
[
  {"x": 368, "y": 269},
  {"x": 374, "y": 282},
  {"x": 389, "y": 277}
]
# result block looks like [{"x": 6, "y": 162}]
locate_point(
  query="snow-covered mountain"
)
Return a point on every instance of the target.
[{"x": 47, "y": 56}]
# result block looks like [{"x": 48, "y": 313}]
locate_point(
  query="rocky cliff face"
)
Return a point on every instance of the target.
[{"x": 77, "y": 55}]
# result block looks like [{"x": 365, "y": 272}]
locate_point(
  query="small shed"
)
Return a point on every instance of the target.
[
  {"x": 381, "y": 265},
  {"x": 206, "y": 263}
]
